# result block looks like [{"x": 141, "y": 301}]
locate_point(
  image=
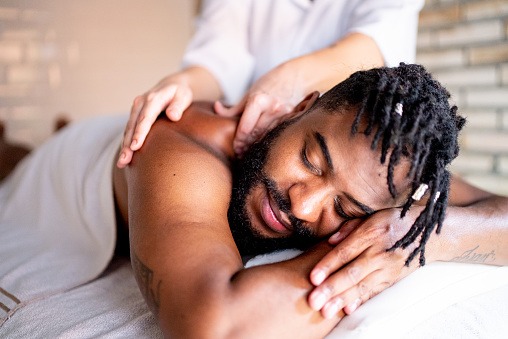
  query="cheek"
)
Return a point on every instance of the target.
[
  {"x": 253, "y": 203},
  {"x": 279, "y": 157}
]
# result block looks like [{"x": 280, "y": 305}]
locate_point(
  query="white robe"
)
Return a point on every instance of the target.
[{"x": 238, "y": 41}]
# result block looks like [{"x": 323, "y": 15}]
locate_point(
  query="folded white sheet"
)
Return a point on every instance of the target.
[
  {"x": 110, "y": 306},
  {"x": 57, "y": 221},
  {"x": 460, "y": 302}
]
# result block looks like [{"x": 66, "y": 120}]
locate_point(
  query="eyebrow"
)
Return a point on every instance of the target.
[
  {"x": 366, "y": 209},
  {"x": 324, "y": 148}
]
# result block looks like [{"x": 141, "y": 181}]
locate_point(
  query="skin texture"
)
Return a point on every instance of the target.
[{"x": 187, "y": 264}]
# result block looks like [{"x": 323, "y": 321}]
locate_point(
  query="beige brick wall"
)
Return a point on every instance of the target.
[
  {"x": 464, "y": 43},
  {"x": 23, "y": 77},
  {"x": 83, "y": 58}
]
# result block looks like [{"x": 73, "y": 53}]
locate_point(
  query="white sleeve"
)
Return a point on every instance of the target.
[
  {"x": 221, "y": 45},
  {"x": 393, "y": 24}
]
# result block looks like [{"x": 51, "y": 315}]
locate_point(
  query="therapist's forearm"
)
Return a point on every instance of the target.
[{"x": 323, "y": 69}]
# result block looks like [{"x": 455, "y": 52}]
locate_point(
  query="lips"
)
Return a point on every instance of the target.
[{"x": 273, "y": 219}]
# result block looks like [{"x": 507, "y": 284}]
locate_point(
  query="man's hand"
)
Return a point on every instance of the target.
[
  {"x": 167, "y": 95},
  {"x": 360, "y": 266}
]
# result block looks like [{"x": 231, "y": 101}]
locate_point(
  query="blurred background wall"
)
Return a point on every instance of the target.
[
  {"x": 85, "y": 58},
  {"x": 464, "y": 43}
]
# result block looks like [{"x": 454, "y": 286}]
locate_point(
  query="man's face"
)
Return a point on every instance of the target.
[{"x": 305, "y": 180}]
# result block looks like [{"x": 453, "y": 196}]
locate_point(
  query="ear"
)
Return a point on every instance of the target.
[{"x": 306, "y": 103}]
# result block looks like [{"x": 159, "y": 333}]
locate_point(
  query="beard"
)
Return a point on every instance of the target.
[{"x": 248, "y": 173}]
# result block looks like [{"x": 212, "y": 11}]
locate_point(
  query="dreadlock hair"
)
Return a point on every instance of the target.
[{"x": 426, "y": 133}]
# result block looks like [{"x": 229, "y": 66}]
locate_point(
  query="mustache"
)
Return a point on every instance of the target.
[{"x": 284, "y": 205}]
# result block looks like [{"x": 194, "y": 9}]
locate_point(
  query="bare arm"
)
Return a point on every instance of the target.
[
  {"x": 323, "y": 69},
  {"x": 186, "y": 261},
  {"x": 475, "y": 230}
]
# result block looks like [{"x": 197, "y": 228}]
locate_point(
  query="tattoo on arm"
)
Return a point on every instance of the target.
[
  {"x": 149, "y": 286},
  {"x": 473, "y": 256}
]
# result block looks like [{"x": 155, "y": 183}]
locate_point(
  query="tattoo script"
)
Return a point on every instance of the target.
[
  {"x": 472, "y": 256},
  {"x": 149, "y": 286}
]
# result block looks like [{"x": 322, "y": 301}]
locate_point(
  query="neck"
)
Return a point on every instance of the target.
[{"x": 202, "y": 125}]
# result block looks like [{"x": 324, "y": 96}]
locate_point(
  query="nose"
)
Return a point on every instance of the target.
[{"x": 313, "y": 203}]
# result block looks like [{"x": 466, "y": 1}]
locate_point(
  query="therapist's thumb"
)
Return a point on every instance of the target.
[{"x": 225, "y": 111}]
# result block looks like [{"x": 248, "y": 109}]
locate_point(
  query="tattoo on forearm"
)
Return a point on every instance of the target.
[
  {"x": 472, "y": 256},
  {"x": 149, "y": 286}
]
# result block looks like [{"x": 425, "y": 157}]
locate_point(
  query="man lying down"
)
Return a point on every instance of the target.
[{"x": 357, "y": 178}]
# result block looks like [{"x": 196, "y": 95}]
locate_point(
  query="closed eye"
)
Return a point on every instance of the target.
[
  {"x": 307, "y": 162},
  {"x": 340, "y": 210}
]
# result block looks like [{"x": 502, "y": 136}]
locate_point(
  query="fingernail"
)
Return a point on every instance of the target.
[
  {"x": 354, "y": 305},
  {"x": 134, "y": 143},
  {"x": 318, "y": 300},
  {"x": 332, "y": 308},
  {"x": 334, "y": 238},
  {"x": 174, "y": 115},
  {"x": 318, "y": 276},
  {"x": 123, "y": 155}
]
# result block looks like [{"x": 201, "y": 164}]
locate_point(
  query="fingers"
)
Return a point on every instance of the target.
[
  {"x": 126, "y": 152},
  {"x": 352, "y": 298},
  {"x": 181, "y": 100},
  {"x": 125, "y": 157},
  {"x": 361, "y": 293},
  {"x": 358, "y": 281},
  {"x": 332, "y": 307},
  {"x": 261, "y": 113},
  {"x": 343, "y": 232},
  {"x": 154, "y": 103},
  {"x": 340, "y": 255},
  {"x": 145, "y": 110},
  {"x": 232, "y": 111},
  {"x": 343, "y": 280},
  {"x": 244, "y": 132},
  {"x": 359, "y": 266}
]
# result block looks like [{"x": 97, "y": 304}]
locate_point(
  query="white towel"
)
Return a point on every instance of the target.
[{"x": 57, "y": 222}]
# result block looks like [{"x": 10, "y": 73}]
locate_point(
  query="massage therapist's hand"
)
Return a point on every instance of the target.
[
  {"x": 168, "y": 95},
  {"x": 270, "y": 99},
  {"x": 360, "y": 267}
]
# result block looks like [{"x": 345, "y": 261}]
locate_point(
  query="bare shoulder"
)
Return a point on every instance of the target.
[
  {"x": 180, "y": 181},
  {"x": 202, "y": 126},
  {"x": 183, "y": 159},
  {"x": 200, "y": 132}
]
